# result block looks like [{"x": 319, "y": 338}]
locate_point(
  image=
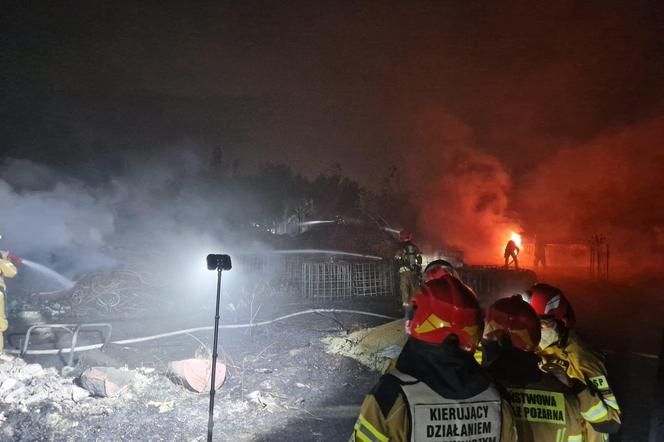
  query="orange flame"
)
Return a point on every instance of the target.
[{"x": 517, "y": 239}]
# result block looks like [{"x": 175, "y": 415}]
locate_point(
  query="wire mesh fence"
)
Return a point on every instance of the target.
[
  {"x": 339, "y": 280},
  {"x": 373, "y": 279},
  {"x": 318, "y": 277},
  {"x": 327, "y": 280}
]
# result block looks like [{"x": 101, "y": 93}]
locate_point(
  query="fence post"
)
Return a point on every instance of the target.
[{"x": 657, "y": 416}]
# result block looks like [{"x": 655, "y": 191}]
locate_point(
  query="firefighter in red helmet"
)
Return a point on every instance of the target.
[
  {"x": 437, "y": 269},
  {"x": 561, "y": 346},
  {"x": 409, "y": 261},
  {"x": 545, "y": 408},
  {"x": 437, "y": 391}
]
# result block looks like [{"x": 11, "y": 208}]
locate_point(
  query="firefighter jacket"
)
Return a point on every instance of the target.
[
  {"x": 545, "y": 410},
  {"x": 511, "y": 248},
  {"x": 408, "y": 257},
  {"x": 599, "y": 408},
  {"x": 436, "y": 393},
  {"x": 7, "y": 270}
]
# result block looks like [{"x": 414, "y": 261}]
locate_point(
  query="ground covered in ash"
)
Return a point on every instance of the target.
[
  {"x": 281, "y": 382},
  {"x": 281, "y": 385},
  {"x": 291, "y": 380}
]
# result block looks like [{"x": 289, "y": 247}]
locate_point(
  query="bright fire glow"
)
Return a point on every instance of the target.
[{"x": 517, "y": 239}]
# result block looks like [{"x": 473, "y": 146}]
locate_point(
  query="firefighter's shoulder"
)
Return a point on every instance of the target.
[
  {"x": 587, "y": 359},
  {"x": 386, "y": 392},
  {"x": 7, "y": 268}
]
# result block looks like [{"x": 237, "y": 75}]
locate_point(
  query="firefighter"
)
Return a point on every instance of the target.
[
  {"x": 561, "y": 346},
  {"x": 409, "y": 261},
  {"x": 437, "y": 391},
  {"x": 437, "y": 269},
  {"x": 511, "y": 251},
  {"x": 540, "y": 252},
  {"x": 7, "y": 270},
  {"x": 545, "y": 409}
]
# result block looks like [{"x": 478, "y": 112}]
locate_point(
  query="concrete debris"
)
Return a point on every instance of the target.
[
  {"x": 195, "y": 374},
  {"x": 106, "y": 381},
  {"x": 7, "y": 385},
  {"x": 24, "y": 386},
  {"x": 145, "y": 370},
  {"x": 264, "y": 400},
  {"x": 372, "y": 347},
  {"x": 163, "y": 407}
]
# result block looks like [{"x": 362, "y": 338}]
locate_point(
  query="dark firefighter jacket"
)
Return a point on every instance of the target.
[
  {"x": 602, "y": 413},
  {"x": 444, "y": 372},
  {"x": 408, "y": 257}
]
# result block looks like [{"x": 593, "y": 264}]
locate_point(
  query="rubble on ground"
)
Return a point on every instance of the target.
[
  {"x": 23, "y": 385},
  {"x": 105, "y": 381},
  {"x": 195, "y": 374},
  {"x": 372, "y": 347}
]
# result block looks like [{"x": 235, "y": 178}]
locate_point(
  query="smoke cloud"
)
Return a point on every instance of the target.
[
  {"x": 462, "y": 193},
  {"x": 53, "y": 219},
  {"x": 611, "y": 185}
]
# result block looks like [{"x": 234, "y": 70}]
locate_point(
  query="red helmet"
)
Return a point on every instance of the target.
[
  {"x": 405, "y": 235},
  {"x": 437, "y": 269},
  {"x": 515, "y": 318},
  {"x": 444, "y": 307},
  {"x": 550, "y": 303}
]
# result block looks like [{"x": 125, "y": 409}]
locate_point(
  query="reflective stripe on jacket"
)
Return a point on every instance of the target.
[
  {"x": 599, "y": 406},
  {"x": 545, "y": 415}
]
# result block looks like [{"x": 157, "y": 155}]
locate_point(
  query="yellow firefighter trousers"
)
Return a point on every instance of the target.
[
  {"x": 407, "y": 285},
  {"x": 3, "y": 319}
]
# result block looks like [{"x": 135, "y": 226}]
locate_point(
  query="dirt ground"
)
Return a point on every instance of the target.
[{"x": 282, "y": 385}]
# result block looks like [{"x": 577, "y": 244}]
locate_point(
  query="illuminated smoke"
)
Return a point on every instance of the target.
[
  {"x": 462, "y": 192},
  {"x": 53, "y": 219},
  {"x": 611, "y": 185}
]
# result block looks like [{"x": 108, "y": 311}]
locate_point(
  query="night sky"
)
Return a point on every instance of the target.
[{"x": 317, "y": 83}]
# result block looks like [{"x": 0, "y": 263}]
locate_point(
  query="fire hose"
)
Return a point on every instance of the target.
[
  {"x": 56, "y": 351},
  {"x": 15, "y": 260}
]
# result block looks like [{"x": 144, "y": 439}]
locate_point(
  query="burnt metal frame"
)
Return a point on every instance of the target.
[{"x": 74, "y": 329}]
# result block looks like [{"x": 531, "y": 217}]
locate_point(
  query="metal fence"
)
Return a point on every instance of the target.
[
  {"x": 373, "y": 279},
  {"x": 341, "y": 279},
  {"x": 327, "y": 280},
  {"x": 318, "y": 276}
]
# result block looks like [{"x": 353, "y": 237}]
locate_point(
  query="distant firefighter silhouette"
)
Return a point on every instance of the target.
[
  {"x": 540, "y": 252},
  {"x": 511, "y": 251}
]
